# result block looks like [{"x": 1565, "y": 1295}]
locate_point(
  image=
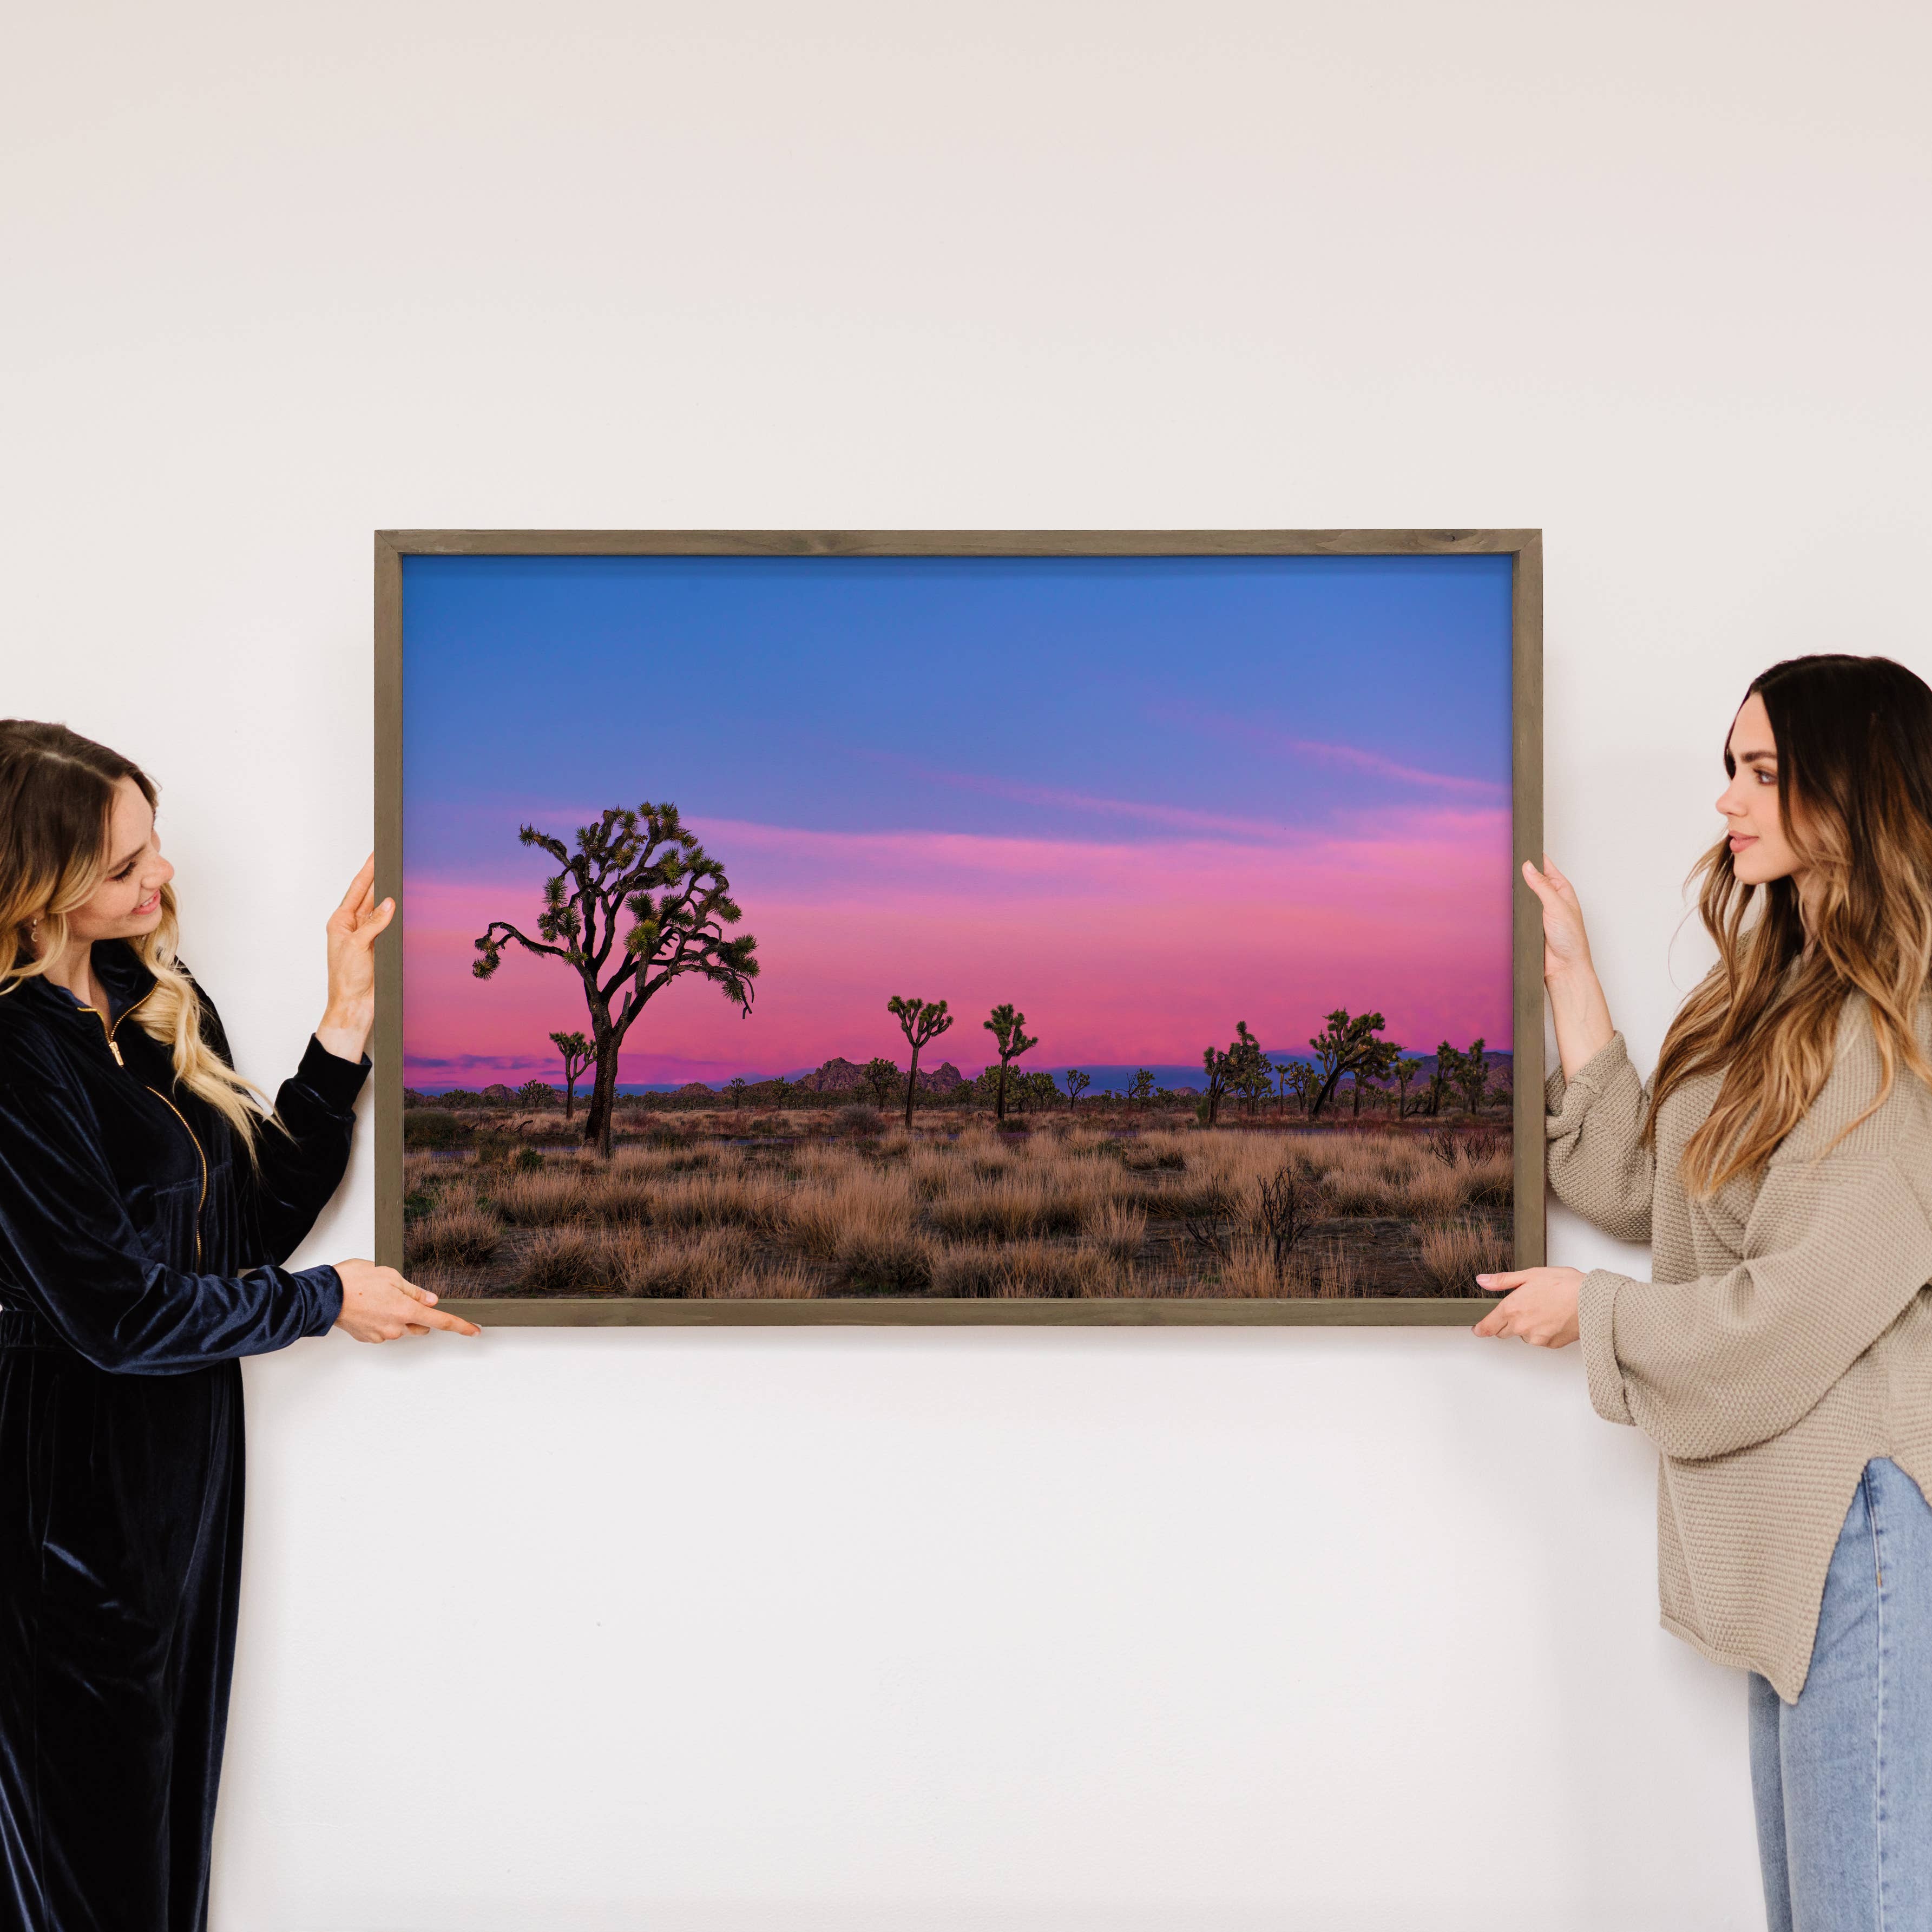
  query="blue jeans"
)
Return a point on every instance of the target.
[{"x": 1842, "y": 1780}]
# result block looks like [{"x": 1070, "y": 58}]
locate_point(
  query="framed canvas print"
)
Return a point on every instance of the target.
[{"x": 959, "y": 926}]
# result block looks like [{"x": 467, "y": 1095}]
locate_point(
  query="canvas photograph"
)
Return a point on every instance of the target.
[{"x": 1127, "y": 931}]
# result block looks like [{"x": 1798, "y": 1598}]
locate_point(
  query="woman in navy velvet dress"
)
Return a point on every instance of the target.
[{"x": 148, "y": 1204}]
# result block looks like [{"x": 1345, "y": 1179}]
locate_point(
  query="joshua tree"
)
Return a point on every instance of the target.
[
  {"x": 1077, "y": 1084},
  {"x": 536, "y": 1094},
  {"x": 1230, "y": 1072},
  {"x": 920, "y": 1021},
  {"x": 734, "y": 1090},
  {"x": 1472, "y": 1076},
  {"x": 1404, "y": 1072},
  {"x": 879, "y": 1078},
  {"x": 1141, "y": 1087},
  {"x": 1008, "y": 1027},
  {"x": 576, "y": 1056},
  {"x": 1448, "y": 1068},
  {"x": 679, "y": 902},
  {"x": 1349, "y": 1045},
  {"x": 1255, "y": 1084}
]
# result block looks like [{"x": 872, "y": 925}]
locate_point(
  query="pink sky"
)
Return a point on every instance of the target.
[{"x": 1140, "y": 952}]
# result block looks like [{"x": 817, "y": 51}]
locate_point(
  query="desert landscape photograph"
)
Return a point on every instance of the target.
[{"x": 1046, "y": 927}]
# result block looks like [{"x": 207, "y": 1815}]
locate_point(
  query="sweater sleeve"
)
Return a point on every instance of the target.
[
  {"x": 70, "y": 1252},
  {"x": 1835, "y": 1251},
  {"x": 1597, "y": 1162}
]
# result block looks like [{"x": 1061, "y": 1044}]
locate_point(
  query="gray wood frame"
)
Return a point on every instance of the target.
[{"x": 1524, "y": 547}]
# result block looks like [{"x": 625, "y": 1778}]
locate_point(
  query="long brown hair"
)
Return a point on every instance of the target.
[
  {"x": 56, "y": 805},
  {"x": 1854, "y": 743}
]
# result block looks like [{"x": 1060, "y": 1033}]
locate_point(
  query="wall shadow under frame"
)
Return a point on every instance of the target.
[{"x": 1522, "y": 549}]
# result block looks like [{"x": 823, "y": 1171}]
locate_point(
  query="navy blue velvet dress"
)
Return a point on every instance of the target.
[{"x": 139, "y": 1259}]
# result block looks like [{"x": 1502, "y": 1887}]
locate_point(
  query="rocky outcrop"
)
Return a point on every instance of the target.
[{"x": 835, "y": 1076}]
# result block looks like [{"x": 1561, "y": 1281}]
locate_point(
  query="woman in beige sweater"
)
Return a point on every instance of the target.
[{"x": 1780, "y": 1163}]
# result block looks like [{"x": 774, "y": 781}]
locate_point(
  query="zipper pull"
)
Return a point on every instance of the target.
[{"x": 113, "y": 1047}]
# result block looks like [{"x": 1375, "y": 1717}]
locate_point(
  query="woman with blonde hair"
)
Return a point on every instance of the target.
[
  {"x": 148, "y": 1201},
  {"x": 1779, "y": 1161}
]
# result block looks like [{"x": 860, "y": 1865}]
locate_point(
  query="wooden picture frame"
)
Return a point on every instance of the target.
[{"x": 1523, "y": 546}]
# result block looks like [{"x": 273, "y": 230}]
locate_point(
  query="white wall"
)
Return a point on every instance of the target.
[{"x": 738, "y": 1632}]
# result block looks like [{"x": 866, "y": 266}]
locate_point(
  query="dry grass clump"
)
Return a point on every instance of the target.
[
  {"x": 759, "y": 1201},
  {"x": 885, "y": 1260},
  {"x": 712, "y": 1263},
  {"x": 1453, "y": 1252},
  {"x": 865, "y": 1203},
  {"x": 565, "y": 1261},
  {"x": 990, "y": 1270},
  {"x": 1335, "y": 1271},
  {"x": 1011, "y": 1209},
  {"x": 463, "y": 1236},
  {"x": 548, "y": 1199},
  {"x": 1250, "y": 1274},
  {"x": 1152, "y": 1151},
  {"x": 1119, "y": 1232}
]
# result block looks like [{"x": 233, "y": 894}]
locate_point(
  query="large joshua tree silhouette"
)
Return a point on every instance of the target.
[
  {"x": 646, "y": 863},
  {"x": 1348, "y": 1044},
  {"x": 920, "y": 1021},
  {"x": 576, "y": 1056},
  {"x": 1008, "y": 1027}
]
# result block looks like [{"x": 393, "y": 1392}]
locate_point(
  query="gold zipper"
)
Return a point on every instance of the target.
[{"x": 200, "y": 1154}]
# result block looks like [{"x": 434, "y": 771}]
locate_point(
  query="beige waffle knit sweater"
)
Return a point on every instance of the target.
[{"x": 1784, "y": 1342}]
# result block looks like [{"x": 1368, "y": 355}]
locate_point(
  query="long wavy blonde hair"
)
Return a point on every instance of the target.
[
  {"x": 1854, "y": 743},
  {"x": 56, "y": 806}
]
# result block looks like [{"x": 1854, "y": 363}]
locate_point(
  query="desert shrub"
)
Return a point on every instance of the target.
[
  {"x": 434, "y": 1127},
  {"x": 1453, "y": 1252},
  {"x": 858, "y": 1116},
  {"x": 565, "y": 1261},
  {"x": 462, "y": 1237}
]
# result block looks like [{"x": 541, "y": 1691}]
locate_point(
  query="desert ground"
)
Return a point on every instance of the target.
[{"x": 846, "y": 1202}]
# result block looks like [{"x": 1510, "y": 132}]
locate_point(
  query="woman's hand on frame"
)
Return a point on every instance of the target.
[
  {"x": 379, "y": 1305},
  {"x": 1539, "y": 1305},
  {"x": 352, "y": 929}
]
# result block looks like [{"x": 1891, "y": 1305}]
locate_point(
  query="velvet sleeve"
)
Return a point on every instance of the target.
[
  {"x": 74, "y": 1257},
  {"x": 300, "y": 1168}
]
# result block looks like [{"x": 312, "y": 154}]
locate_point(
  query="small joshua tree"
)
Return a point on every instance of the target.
[
  {"x": 1008, "y": 1027},
  {"x": 879, "y": 1078},
  {"x": 734, "y": 1090},
  {"x": 1230, "y": 1072},
  {"x": 1077, "y": 1084},
  {"x": 1472, "y": 1076},
  {"x": 1404, "y": 1072},
  {"x": 576, "y": 1056},
  {"x": 646, "y": 863},
  {"x": 1141, "y": 1087},
  {"x": 920, "y": 1020}
]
